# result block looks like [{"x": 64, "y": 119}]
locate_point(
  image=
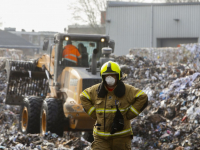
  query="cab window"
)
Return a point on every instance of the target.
[{"x": 85, "y": 49}]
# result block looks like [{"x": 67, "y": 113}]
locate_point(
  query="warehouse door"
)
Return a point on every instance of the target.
[{"x": 174, "y": 42}]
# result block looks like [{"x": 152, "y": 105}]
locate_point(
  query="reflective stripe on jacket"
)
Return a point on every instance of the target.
[
  {"x": 130, "y": 105},
  {"x": 71, "y": 53}
]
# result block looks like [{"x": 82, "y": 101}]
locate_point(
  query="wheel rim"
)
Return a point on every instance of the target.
[
  {"x": 43, "y": 122},
  {"x": 24, "y": 119}
]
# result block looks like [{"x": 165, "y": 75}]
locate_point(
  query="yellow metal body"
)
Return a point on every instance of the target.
[
  {"x": 43, "y": 122},
  {"x": 48, "y": 62},
  {"x": 71, "y": 87},
  {"x": 24, "y": 119}
]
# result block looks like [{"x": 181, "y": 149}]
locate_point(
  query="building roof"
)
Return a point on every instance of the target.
[
  {"x": 9, "y": 40},
  {"x": 128, "y": 4},
  {"x": 86, "y": 29},
  {"x": 84, "y": 26}
]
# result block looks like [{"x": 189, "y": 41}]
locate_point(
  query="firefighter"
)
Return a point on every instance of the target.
[
  {"x": 112, "y": 104},
  {"x": 70, "y": 54}
]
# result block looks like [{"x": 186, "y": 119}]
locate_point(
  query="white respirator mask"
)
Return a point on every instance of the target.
[{"x": 110, "y": 80}]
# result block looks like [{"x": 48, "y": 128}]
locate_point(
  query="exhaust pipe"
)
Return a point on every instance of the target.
[{"x": 94, "y": 61}]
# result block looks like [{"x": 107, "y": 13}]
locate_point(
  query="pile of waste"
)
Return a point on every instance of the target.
[
  {"x": 12, "y": 139},
  {"x": 172, "y": 118},
  {"x": 13, "y": 54},
  {"x": 171, "y": 79}
]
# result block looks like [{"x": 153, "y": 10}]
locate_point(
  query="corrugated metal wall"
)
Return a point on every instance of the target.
[
  {"x": 131, "y": 26},
  {"x": 128, "y": 28},
  {"x": 165, "y": 26}
]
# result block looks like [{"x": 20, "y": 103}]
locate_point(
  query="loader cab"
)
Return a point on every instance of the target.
[
  {"x": 85, "y": 48},
  {"x": 86, "y": 45}
]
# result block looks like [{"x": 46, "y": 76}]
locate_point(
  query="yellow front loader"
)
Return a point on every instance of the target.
[{"x": 48, "y": 89}]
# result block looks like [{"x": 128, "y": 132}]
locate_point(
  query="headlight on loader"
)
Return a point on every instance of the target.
[
  {"x": 102, "y": 40},
  {"x": 66, "y": 38}
]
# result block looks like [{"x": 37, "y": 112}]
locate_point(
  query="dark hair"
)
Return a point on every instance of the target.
[
  {"x": 69, "y": 42},
  {"x": 81, "y": 45}
]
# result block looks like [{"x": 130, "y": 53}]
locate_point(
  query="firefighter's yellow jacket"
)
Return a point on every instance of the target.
[{"x": 99, "y": 103}]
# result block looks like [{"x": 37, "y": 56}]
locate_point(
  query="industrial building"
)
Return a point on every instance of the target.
[
  {"x": 35, "y": 38},
  {"x": 12, "y": 41},
  {"x": 138, "y": 25}
]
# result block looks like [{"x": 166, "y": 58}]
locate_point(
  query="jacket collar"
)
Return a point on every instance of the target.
[{"x": 119, "y": 90}]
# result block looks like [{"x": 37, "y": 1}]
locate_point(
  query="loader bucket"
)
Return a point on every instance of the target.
[{"x": 24, "y": 79}]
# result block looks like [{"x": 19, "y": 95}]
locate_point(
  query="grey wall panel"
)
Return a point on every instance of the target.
[
  {"x": 189, "y": 21},
  {"x": 129, "y": 27},
  {"x": 166, "y": 27}
]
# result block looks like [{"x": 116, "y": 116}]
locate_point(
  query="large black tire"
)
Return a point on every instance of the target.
[
  {"x": 29, "y": 120},
  {"x": 52, "y": 117}
]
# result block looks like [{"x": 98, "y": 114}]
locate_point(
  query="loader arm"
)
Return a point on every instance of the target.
[{"x": 47, "y": 62}]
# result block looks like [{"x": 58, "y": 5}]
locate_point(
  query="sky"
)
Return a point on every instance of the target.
[{"x": 37, "y": 15}]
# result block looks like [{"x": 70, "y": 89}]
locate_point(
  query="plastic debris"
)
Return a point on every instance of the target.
[{"x": 171, "y": 79}]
